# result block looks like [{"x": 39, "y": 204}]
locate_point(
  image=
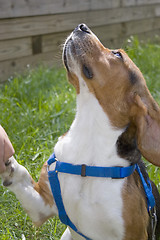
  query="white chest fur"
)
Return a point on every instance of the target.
[{"x": 93, "y": 204}]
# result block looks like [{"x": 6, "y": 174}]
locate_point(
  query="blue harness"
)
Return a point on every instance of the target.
[{"x": 90, "y": 171}]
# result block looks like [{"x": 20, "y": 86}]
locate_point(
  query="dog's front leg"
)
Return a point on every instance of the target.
[{"x": 36, "y": 198}]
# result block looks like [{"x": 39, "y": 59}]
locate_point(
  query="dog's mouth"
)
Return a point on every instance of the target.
[
  {"x": 65, "y": 55},
  {"x": 68, "y": 51},
  {"x": 76, "y": 46}
]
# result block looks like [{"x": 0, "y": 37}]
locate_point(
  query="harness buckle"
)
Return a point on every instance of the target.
[
  {"x": 50, "y": 162},
  {"x": 153, "y": 217},
  {"x": 83, "y": 170}
]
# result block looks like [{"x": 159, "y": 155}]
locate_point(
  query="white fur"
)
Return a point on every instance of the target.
[
  {"x": 93, "y": 204},
  {"x": 24, "y": 190}
]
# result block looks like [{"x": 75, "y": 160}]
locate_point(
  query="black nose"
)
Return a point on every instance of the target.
[{"x": 83, "y": 27}]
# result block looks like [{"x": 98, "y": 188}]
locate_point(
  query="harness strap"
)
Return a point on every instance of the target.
[
  {"x": 148, "y": 190},
  {"x": 56, "y": 191},
  {"x": 90, "y": 171}
]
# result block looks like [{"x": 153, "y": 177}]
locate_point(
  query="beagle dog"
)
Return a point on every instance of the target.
[{"x": 116, "y": 122}]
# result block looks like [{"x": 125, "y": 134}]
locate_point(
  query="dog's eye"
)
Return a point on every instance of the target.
[
  {"x": 87, "y": 72},
  {"x": 117, "y": 54}
]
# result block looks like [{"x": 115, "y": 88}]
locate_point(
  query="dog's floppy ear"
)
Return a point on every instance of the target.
[{"x": 145, "y": 115}]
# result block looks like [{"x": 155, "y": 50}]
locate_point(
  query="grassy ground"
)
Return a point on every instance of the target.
[{"x": 35, "y": 110}]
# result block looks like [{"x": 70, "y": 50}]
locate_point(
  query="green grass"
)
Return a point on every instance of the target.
[{"x": 35, "y": 110}]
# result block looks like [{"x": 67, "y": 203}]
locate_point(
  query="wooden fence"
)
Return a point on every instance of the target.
[{"x": 32, "y": 31}]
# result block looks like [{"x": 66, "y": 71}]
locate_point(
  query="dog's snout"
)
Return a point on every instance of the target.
[{"x": 83, "y": 28}]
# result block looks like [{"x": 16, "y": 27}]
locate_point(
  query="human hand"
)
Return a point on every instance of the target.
[{"x": 6, "y": 149}]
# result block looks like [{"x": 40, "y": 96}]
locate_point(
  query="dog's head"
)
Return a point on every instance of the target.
[{"x": 119, "y": 87}]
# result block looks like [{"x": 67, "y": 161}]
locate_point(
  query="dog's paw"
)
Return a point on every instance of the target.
[
  {"x": 14, "y": 173},
  {"x": 8, "y": 174}
]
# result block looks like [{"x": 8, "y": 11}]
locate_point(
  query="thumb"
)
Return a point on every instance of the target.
[{"x": 8, "y": 149}]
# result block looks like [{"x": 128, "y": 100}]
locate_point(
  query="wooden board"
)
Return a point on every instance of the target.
[
  {"x": 23, "y": 8},
  {"x": 137, "y": 27},
  {"x": 127, "y": 3},
  {"x": 16, "y": 48},
  {"x": 32, "y": 26},
  {"x": 157, "y": 11},
  {"x": 54, "y": 58},
  {"x": 22, "y": 65},
  {"x": 51, "y": 42},
  {"x": 117, "y": 43}
]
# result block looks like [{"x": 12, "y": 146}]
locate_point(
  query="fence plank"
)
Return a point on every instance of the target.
[
  {"x": 108, "y": 32},
  {"x": 31, "y": 26},
  {"x": 11, "y": 49},
  {"x": 132, "y": 28},
  {"x": 127, "y": 3},
  {"x": 20, "y": 65},
  {"x": 53, "y": 58},
  {"x": 51, "y": 42},
  {"x": 125, "y": 30},
  {"x": 23, "y": 8}
]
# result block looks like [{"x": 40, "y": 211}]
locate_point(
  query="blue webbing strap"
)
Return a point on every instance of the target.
[
  {"x": 56, "y": 191},
  {"x": 91, "y": 171},
  {"x": 95, "y": 171},
  {"x": 148, "y": 190}
]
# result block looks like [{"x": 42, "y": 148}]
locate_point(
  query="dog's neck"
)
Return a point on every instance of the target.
[{"x": 91, "y": 138}]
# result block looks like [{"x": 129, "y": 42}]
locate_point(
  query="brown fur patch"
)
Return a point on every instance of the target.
[
  {"x": 112, "y": 86},
  {"x": 121, "y": 90},
  {"x": 135, "y": 214},
  {"x": 73, "y": 79},
  {"x": 42, "y": 187},
  {"x": 114, "y": 80}
]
